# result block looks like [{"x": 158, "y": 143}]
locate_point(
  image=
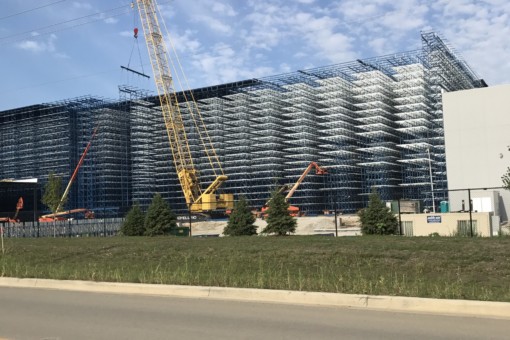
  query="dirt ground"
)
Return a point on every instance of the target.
[{"x": 347, "y": 225}]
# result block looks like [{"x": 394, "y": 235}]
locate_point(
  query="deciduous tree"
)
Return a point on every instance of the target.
[{"x": 53, "y": 192}]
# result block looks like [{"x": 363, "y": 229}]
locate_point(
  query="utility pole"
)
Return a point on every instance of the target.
[
  {"x": 189, "y": 215},
  {"x": 431, "y": 183},
  {"x": 336, "y": 220},
  {"x": 470, "y": 214}
]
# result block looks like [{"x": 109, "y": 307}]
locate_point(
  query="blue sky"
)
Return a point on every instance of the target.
[{"x": 59, "y": 49}]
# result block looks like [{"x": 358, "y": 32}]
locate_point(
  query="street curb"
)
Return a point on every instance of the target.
[{"x": 373, "y": 302}]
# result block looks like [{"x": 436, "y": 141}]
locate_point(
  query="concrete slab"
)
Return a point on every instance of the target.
[{"x": 347, "y": 225}]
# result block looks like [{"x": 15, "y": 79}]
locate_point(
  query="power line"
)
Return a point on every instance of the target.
[
  {"x": 62, "y": 29},
  {"x": 71, "y": 20},
  {"x": 68, "y": 21},
  {"x": 58, "y": 81},
  {"x": 30, "y": 10}
]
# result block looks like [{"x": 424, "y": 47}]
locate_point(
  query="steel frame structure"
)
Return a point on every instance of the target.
[{"x": 371, "y": 122}]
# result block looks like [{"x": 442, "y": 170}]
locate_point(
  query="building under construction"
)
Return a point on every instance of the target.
[{"x": 373, "y": 123}]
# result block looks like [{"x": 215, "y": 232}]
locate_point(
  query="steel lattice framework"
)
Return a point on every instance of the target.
[{"x": 371, "y": 122}]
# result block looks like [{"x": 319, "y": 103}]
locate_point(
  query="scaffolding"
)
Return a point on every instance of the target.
[
  {"x": 373, "y": 123},
  {"x": 41, "y": 139}
]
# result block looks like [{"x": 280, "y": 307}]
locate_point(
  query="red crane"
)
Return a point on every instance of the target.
[
  {"x": 19, "y": 206},
  {"x": 45, "y": 218}
]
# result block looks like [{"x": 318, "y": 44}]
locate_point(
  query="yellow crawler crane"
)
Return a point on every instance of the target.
[{"x": 198, "y": 200}]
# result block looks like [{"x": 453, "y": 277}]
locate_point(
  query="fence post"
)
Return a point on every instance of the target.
[{"x": 470, "y": 213}]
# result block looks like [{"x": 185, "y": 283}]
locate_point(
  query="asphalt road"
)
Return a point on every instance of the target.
[{"x": 27, "y": 313}]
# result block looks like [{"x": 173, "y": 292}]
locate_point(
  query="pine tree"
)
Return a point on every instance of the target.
[
  {"x": 134, "y": 223},
  {"x": 241, "y": 220},
  {"x": 377, "y": 218},
  {"x": 159, "y": 219},
  {"x": 279, "y": 221}
]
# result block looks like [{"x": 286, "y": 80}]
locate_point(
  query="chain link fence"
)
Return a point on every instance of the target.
[{"x": 70, "y": 228}]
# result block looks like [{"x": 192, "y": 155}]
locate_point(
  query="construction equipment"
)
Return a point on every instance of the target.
[
  {"x": 197, "y": 200},
  {"x": 46, "y": 218},
  {"x": 60, "y": 215},
  {"x": 318, "y": 171},
  {"x": 71, "y": 180},
  {"x": 19, "y": 206},
  {"x": 293, "y": 210}
]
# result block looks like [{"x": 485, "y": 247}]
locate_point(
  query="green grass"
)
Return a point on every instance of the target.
[{"x": 443, "y": 267}]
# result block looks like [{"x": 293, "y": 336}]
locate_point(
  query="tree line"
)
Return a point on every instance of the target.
[{"x": 159, "y": 219}]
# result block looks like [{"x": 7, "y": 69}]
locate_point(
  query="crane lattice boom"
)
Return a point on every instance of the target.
[{"x": 196, "y": 198}]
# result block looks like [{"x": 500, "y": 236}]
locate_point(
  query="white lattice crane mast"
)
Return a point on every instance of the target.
[{"x": 197, "y": 199}]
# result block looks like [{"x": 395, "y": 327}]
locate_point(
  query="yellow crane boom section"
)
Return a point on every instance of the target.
[{"x": 196, "y": 198}]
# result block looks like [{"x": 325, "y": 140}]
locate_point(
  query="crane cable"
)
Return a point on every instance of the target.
[
  {"x": 208, "y": 145},
  {"x": 180, "y": 152},
  {"x": 135, "y": 41}
]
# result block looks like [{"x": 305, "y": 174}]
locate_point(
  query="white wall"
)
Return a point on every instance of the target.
[
  {"x": 446, "y": 224},
  {"x": 477, "y": 141}
]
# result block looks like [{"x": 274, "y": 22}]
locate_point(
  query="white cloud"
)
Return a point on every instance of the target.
[
  {"x": 479, "y": 30},
  {"x": 322, "y": 37},
  {"x": 300, "y": 55},
  {"x": 224, "y": 9},
  {"x": 378, "y": 45},
  {"x": 284, "y": 35},
  {"x": 31, "y": 45},
  {"x": 223, "y": 64},
  {"x": 82, "y": 5},
  {"x": 167, "y": 11},
  {"x": 354, "y": 10},
  {"x": 214, "y": 23},
  {"x": 128, "y": 34},
  {"x": 38, "y": 46},
  {"x": 215, "y": 15},
  {"x": 285, "y": 68},
  {"x": 264, "y": 39},
  {"x": 185, "y": 43},
  {"x": 111, "y": 20}
]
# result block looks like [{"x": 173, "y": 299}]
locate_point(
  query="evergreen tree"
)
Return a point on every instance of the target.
[
  {"x": 279, "y": 221},
  {"x": 241, "y": 220},
  {"x": 377, "y": 218},
  {"x": 159, "y": 219},
  {"x": 134, "y": 223},
  {"x": 53, "y": 192}
]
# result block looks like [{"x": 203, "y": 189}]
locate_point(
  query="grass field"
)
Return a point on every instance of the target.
[{"x": 442, "y": 267}]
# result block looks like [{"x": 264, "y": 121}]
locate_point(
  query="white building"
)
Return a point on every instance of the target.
[{"x": 477, "y": 142}]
